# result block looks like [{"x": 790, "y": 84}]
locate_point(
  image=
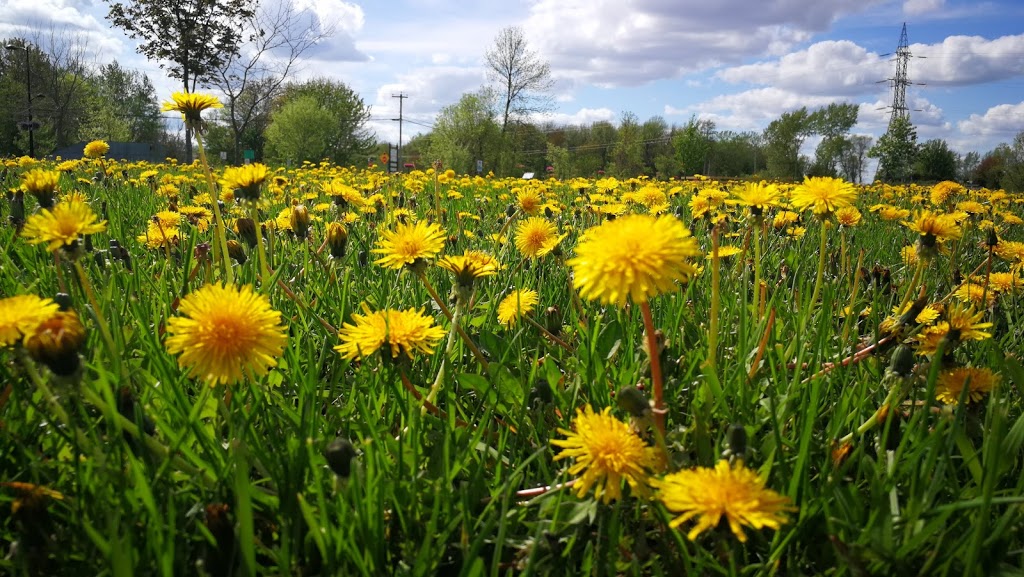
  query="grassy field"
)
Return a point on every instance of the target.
[{"x": 351, "y": 392}]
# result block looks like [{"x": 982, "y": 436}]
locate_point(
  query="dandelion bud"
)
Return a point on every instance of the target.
[
  {"x": 56, "y": 342},
  {"x": 363, "y": 258},
  {"x": 247, "y": 230},
  {"x": 737, "y": 439},
  {"x": 337, "y": 239},
  {"x": 236, "y": 252},
  {"x": 63, "y": 301},
  {"x": 541, "y": 391},
  {"x": 992, "y": 239},
  {"x": 17, "y": 201},
  {"x": 339, "y": 456},
  {"x": 634, "y": 402},
  {"x": 300, "y": 221},
  {"x": 902, "y": 361},
  {"x": 553, "y": 320}
]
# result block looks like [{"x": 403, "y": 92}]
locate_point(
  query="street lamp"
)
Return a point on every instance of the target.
[{"x": 28, "y": 93}]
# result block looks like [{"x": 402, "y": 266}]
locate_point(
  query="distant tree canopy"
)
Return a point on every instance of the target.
[
  {"x": 72, "y": 102},
  {"x": 316, "y": 120}
]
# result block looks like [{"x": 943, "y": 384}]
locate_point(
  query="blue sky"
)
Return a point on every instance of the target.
[{"x": 739, "y": 63}]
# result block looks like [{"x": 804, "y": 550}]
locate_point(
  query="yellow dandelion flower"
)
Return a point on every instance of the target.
[
  {"x": 21, "y": 314},
  {"x": 529, "y": 200},
  {"x": 848, "y": 216},
  {"x": 63, "y": 225},
  {"x": 536, "y": 237},
  {"x": 933, "y": 227},
  {"x": 785, "y": 219},
  {"x": 889, "y": 212},
  {"x": 245, "y": 181},
  {"x": 733, "y": 492},
  {"x": 190, "y": 105},
  {"x": 943, "y": 191},
  {"x": 159, "y": 235},
  {"x": 228, "y": 333},
  {"x": 975, "y": 294},
  {"x": 823, "y": 195},
  {"x": 978, "y": 382},
  {"x": 1002, "y": 281},
  {"x": 605, "y": 452},
  {"x": 516, "y": 304},
  {"x": 757, "y": 196},
  {"x": 42, "y": 184},
  {"x": 636, "y": 257},
  {"x": 96, "y": 149},
  {"x": 409, "y": 243},
  {"x": 470, "y": 265},
  {"x": 405, "y": 332}
]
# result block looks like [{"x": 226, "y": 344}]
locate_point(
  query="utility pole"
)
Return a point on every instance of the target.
[
  {"x": 30, "y": 125},
  {"x": 401, "y": 98}
]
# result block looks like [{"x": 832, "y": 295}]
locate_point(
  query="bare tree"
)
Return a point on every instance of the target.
[
  {"x": 521, "y": 77},
  {"x": 279, "y": 35},
  {"x": 64, "y": 82}
]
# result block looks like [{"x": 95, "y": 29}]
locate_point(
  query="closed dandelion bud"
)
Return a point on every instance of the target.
[
  {"x": 339, "y": 456},
  {"x": 337, "y": 239},
  {"x": 236, "y": 252},
  {"x": 992, "y": 239},
  {"x": 300, "y": 221},
  {"x": 363, "y": 258},
  {"x": 247, "y": 231},
  {"x": 553, "y": 320},
  {"x": 510, "y": 210},
  {"x": 541, "y": 391},
  {"x": 63, "y": 301},
  {"x": 56, "y": 342},
  {"x": 17, "y": 202},
  {"x": 634, "y": 402},
  {"x": 902, "y": 361},
  {"x": 737, "y": 439}
]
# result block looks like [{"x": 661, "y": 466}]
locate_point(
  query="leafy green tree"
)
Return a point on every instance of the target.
[
  {"x": 123, "y": 106},
  {"x": 692, "y": 144},
  {"x": 783, "y": 138},
  {"x": 833, "y": 124},
  {"x": 349, "y": 138},
  {"x": 896, "y": 151},
  {"x": 193, "y": 39},
  {"x": 301, "y": 130},
  {"x": 627, "y": 154},
  {"x": 1013, "y": 170},
  {"x": 935, "y": 162},
  {"x": 467, "y": 131},
  {"x": 853, "y": 158},
  {"x": 966, "y": 166}
]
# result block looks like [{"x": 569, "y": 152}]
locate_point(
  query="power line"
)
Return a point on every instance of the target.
[{"x": 401, "y": 96}]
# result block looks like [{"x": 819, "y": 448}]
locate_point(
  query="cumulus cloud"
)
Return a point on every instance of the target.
[
  {"x": 751, "y": 109},
  {"x": 1004, "y": 119},
  {"x": 919, "y": 7},
  {"x": 429, "y": 89},
  {"x": 631, "y": 42},
  {"x": 830, "y": 67},
  {"x": 963, "y": 60},
  {"x": 583, "y": 116}
]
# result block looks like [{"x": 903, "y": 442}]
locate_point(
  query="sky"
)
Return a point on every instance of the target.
[{"x": 738, "y": 63}]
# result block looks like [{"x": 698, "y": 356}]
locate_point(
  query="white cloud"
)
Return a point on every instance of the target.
[
  {"x": 429, "y": 89},
  {"x": 1003, "y": 120},
  {"x": 963, "y": 60},
  {"x": 631, "y": 42},
  {"x": 919, "y": 7},
  {"x": 830, "y": 67},
  {"x": 582, "y": 116},
  {"x": 751, "y": 109}
]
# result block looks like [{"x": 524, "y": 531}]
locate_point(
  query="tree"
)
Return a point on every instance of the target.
[
  {"x": 783, "y": 139},
  {"x": 278, "y": 36},
  {"x": 833, "y": 123},
  {"x": 124, "y": 106},
  {"x": 853, "y": 158},
  {"x": 192, "y": 39},
  {"x": 465, "y": 132},
  {"x": 349, "y": 140},
  {"x": 628, "y": 153},
  {"x": 966, "y": 165},
  {"x": 692, "y": 144},
  {"x": 935, "y": 162},
  {"x": 1013, "y": 171},
  {"x": 301, "y": 130},
  {"x": 896, "y": 151},
  {"x": 520, "y": 77}
]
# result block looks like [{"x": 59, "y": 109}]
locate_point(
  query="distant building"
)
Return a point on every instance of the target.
[{"x": 130, "y": 151}]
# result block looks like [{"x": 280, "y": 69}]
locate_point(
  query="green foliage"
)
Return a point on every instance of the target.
[
  {"x": 783, "y": 138},
  {"x": 935, "y": 162},
  {"x": 465, "y": 132},
  {"x": 627, "y": 156},
  {"x": 692, "y": 144},
  {"x": 302, "y": 130},
  {"x": 896, "y": 151},
  {"x": 340, "y": 135}
]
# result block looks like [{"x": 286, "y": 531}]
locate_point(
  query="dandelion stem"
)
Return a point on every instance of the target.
[
  {"x": 549, "y": 334},
  {"x": 448, "y": 313},
  {"x": 913, "y": 284},
  {"x": 756, "y": 233},
  {"x": 264, "y": 267},
  {"x": 715, "y": 300},
  {"x": 101, "y": 321},
  {"x": 660, "y": 411},
  {"x": 818, "y": 280},
  {"x": 220, "y": 251}
]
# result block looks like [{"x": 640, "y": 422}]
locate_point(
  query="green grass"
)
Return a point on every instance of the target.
[{"x": 238, "y": 484}]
